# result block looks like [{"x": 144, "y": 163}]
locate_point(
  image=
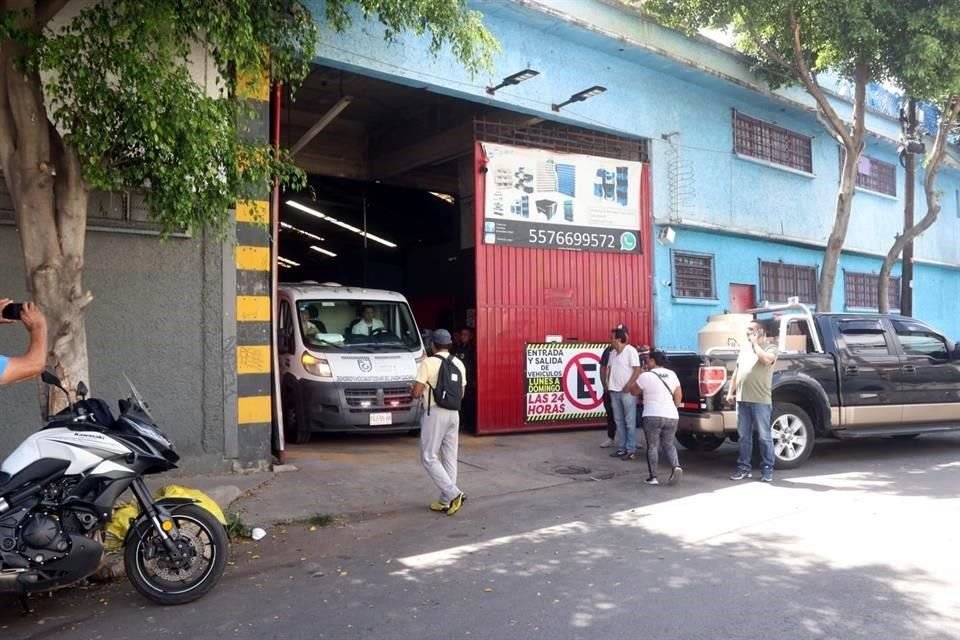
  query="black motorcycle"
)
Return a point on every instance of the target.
[{"x": 58, "y": 490}]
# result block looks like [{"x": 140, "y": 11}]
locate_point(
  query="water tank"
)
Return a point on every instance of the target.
[{"x": 725, "y": 331}]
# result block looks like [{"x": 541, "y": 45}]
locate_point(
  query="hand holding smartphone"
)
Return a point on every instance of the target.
[{"x": 12, "y": 311}]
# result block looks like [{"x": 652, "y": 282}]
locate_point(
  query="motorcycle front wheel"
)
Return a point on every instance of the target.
[{"x": 166, "y": 580}]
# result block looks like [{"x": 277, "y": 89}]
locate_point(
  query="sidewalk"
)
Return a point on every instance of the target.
[{"x": 354, "y": 477}]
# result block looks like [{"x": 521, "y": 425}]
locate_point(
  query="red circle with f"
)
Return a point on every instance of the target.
[{"x": 578, "y": 361}]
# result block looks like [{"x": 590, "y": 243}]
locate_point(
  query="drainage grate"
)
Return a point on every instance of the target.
[{"x": 571, "y": 470}]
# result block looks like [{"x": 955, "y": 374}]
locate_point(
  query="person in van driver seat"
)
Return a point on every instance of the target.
[
  {"x": 311, "y": 325},
  {"x": 366, "y": 325},
  {"x": 30, "y": 364}
]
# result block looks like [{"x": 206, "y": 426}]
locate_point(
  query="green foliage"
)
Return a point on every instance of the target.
[
  {"x": 836, "y": 35},
  {"x": 147, "y": 92},
  {"x": 923, "y": 50},
  {"x": 322, "y": 519},
  {"x": 446, "y": 21},
  {"x": 237, "y": 528}
]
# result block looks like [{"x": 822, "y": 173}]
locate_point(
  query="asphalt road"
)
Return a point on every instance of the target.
[{"x": 859, "y": 543}]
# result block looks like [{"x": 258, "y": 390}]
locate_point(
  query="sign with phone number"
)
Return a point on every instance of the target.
[{"x": 546, "y": 236}]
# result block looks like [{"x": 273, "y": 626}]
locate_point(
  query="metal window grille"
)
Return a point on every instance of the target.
[
  {"x": 860, "y": 290},
  {"x": 874, "y": 175},
  {"x": 768, "y": 142},
  {"x": 693, "y": 275},
  {"x": 562, "y": 138},
  {"x": 122, "y": 211},
  {"x": 780, "y": 281}
]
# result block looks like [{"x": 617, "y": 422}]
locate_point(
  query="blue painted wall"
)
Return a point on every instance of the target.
[
  {"x": 736, "y": 260},
  {"x": 660, "y": 82}
]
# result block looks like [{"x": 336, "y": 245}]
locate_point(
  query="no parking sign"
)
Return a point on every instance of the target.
[{"x": 563, "y": 382}]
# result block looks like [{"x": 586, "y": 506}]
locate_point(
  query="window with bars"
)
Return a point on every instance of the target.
[
  {"x": 780, "y": 282},
  {"x": 770, "y": 143},
  {"x": 860, "y": 290},
  {"x": 693, "y": 275},
  {"x": 874, "y": 175},
  {"x": 106, "y": 211}
]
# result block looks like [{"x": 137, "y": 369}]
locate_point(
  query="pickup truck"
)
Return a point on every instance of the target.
[{"x": 839, "y": 375}]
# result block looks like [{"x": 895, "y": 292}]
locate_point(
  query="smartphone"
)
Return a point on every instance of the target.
[{"x": 12, "y": 311}]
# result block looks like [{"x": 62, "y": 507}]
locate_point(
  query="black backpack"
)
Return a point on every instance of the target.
[{"x": 448, "y": 393}]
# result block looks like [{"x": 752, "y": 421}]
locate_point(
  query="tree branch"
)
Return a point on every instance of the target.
[
  {"x": 771, "y": 53},
  {"x": 71, "y": 199},
  {"x": 813, "y": 87},
  {"x": 8, "y": 137},
  {"x": 46, "y": 10},
  {"x": 947, "y": 122}
]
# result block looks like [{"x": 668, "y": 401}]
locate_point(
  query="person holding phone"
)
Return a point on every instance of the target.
[
  {"x": 752, "y": 388},
  {"x": 30, "y": 364}
]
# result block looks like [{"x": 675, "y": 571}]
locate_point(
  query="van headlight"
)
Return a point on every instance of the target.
[{"x": 316, "y": 366}]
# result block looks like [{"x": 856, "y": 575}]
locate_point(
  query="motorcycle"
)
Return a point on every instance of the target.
[{"x": 58, "y": 490}]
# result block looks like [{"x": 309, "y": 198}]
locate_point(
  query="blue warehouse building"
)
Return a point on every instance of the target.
[{"x": 744, "y": 179}]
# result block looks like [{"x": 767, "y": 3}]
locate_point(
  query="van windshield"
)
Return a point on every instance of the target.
[{"x": 357, "y": 325}]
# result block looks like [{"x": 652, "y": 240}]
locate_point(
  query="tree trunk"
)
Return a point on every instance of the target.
[
  {"x": 50, "y": 200},
  {"x": 853, "y": 147},
  {"x": 948, "y": 121}
]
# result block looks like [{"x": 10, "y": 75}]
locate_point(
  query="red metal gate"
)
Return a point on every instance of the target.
[{"x": 525, "y": 294}]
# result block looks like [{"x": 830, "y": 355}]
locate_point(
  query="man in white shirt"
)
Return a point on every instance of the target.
[
  {"x": 660, "y": 390},
  {"x": 623, "y": 369},
  {"x": 367, "y": 324}
]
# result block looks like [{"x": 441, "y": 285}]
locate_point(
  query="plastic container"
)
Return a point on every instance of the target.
[{"x": 724, "y": 331}]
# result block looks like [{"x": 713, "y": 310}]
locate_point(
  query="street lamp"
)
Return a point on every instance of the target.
[
  {"x": 516, "y": 78},
  {"x": 580, "y": 97}
]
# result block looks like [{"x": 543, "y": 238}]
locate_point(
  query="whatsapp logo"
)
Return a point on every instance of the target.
[{"x": 628, "y": 241}]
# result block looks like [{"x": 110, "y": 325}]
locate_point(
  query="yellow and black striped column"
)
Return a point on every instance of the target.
[{"x": 253, "y": 303}]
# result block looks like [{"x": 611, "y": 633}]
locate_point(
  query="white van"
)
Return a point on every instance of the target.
[{"x": 348, "y": 360}]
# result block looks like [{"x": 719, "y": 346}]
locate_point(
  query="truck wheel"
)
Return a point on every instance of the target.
[
  {"x": 293, "y": 423},
  {"x": 699, "y": 441},
  {"x": 793, "y": 435}
]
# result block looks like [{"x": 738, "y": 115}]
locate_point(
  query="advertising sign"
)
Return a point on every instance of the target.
[
  {"x": 563, "y": 382},
  {"x": 550, "y": 200}
]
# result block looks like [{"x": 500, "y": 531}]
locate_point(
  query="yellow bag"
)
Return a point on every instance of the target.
[
  {"x": 116, "y": 531},
  {"x": 176, "y": 491}
]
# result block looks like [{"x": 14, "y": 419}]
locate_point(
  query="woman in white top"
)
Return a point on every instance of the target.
[{"x": 660, "y": 391}]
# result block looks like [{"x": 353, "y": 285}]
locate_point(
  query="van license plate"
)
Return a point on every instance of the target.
[{"x": 380, "y": 419}]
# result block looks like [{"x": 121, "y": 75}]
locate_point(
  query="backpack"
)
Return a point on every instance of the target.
[{"x": 448, "y": 393}]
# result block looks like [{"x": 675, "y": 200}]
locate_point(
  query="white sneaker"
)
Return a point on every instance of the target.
[{"x": 607, "y": 443}]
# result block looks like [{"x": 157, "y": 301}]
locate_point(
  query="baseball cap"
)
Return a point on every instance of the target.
[
  {"x": 644, "y": 349},
  {"x": 442, "y": 337}
]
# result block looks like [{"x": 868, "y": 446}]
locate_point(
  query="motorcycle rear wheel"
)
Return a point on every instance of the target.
[{"x": 160, "y": 578}]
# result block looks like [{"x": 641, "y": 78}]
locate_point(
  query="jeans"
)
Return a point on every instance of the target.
[
  {"x": 754, "y": 416},
  {"x": 611, "y": 421},
  {"x": 625, "y": 413}
]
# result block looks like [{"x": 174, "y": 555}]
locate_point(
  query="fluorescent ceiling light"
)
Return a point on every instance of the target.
[
  {"x": 290, "y": 227},
  {"x": 443, "y": 196},
  {"x": 323, "y": 251},
  {"x": 287, "y": 261},
  {"x": 340, "y": 223},
  {"x": 285, "y": 266}
]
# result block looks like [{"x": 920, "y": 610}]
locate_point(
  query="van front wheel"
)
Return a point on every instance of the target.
[{"x": 294, "y": 425}]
